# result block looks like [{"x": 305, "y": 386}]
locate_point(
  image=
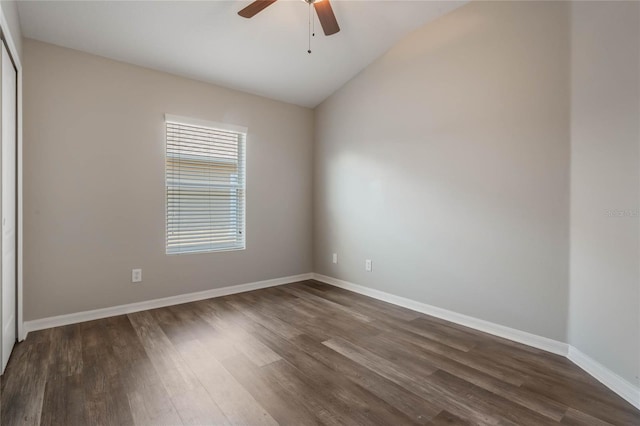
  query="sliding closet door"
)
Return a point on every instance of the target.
[{"x": 8, "y": 122}]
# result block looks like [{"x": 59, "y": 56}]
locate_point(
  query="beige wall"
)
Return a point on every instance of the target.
[
  {"x": 605, "y": 185},
  {"x": 446, "y": 162},
  {"x": 94, "y": 184}
]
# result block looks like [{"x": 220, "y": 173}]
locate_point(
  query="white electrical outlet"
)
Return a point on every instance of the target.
[
  {"x": 136, "y": 275},
  {"x": 335, "y": 257},
  {"x": 367, "y": 265}
]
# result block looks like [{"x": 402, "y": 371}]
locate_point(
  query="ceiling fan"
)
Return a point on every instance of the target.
[{"x": 322, "y": 7}]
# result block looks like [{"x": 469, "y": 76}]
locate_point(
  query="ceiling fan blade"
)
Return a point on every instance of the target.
[
  {"x": 255, "y": 7},
  {"x": 326, "y": 17}
]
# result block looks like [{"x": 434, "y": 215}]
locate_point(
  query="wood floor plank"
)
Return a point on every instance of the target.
[
  {"x": 137, "y": 375},
  {"x": 152, "y": 406},
  {"x": 176, "y": 377},
  {"x": 388, "y": 345},
  {"x": 457, "y": 342},
  {"x": 328, "y": 321},
  {"x": 418, "y": 409},
  {"x": 196, "y": 407},
  {"x": 105, "y": 399},
  {"x": 383, "y": 358},
  {"x": 381, "y": 307},
  {"x": 326, "y": 303},
  {"x": 64, "y": 397},
  {"x": 579, "y": 397},
  {"x": 57, "y": 393},
  {"x": 488, "y": 402},
  {"x": 504, "y": 373},
  {"x": 531, "y": 364},
  {"x": 386, "y": 368},
  {"x": 446, "y": 418},
  {"x": 362, "y": 304},
  {"x": 447, "y": 399},
  {"x": 578, "y": 418},
  {"x": 284, "y": 406},
  {"x": 279, "y": 319},
  {"x": 235, "y": 402},
  {"x": 230, "y": 327},
  {"x": 338, "y": 393},
  {"x": 63, "y": 394},
  {"x": 299, "y": 354}
]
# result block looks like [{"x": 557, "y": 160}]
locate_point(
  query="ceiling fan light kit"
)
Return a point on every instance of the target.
[{"x": 322, "y": 7}]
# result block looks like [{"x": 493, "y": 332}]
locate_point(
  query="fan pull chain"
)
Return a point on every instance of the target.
[{"x": 309, "y": 51}]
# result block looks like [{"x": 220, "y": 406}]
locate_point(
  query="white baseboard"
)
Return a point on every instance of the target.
[
  {"x": 626, "y": 390},
  {"x": 529, "y": 339},
  {"x": 74, "y": 318}
]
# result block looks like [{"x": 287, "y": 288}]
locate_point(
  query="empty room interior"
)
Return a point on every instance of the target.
[{"x": 320, "y": 212}]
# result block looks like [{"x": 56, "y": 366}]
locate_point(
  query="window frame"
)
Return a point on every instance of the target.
[{"x": 242, "y": 165}]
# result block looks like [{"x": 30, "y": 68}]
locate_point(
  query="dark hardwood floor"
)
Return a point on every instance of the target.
[{"x": 298, "y": 354}]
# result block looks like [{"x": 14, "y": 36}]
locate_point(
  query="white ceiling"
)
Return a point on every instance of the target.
[{"x": 208, "y": 41}]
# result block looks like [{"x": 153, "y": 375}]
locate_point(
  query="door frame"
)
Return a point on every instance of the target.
[{"x": 8, "y": 39}]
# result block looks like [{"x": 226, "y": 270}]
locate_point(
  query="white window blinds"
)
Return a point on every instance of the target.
[{"x": 205, "y": 182}]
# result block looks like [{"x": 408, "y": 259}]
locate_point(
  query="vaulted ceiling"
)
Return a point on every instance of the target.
[{"x": 208, "y": 41}]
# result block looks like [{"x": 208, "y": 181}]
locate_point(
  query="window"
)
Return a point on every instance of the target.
[{"x": 205, "y": 182}]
